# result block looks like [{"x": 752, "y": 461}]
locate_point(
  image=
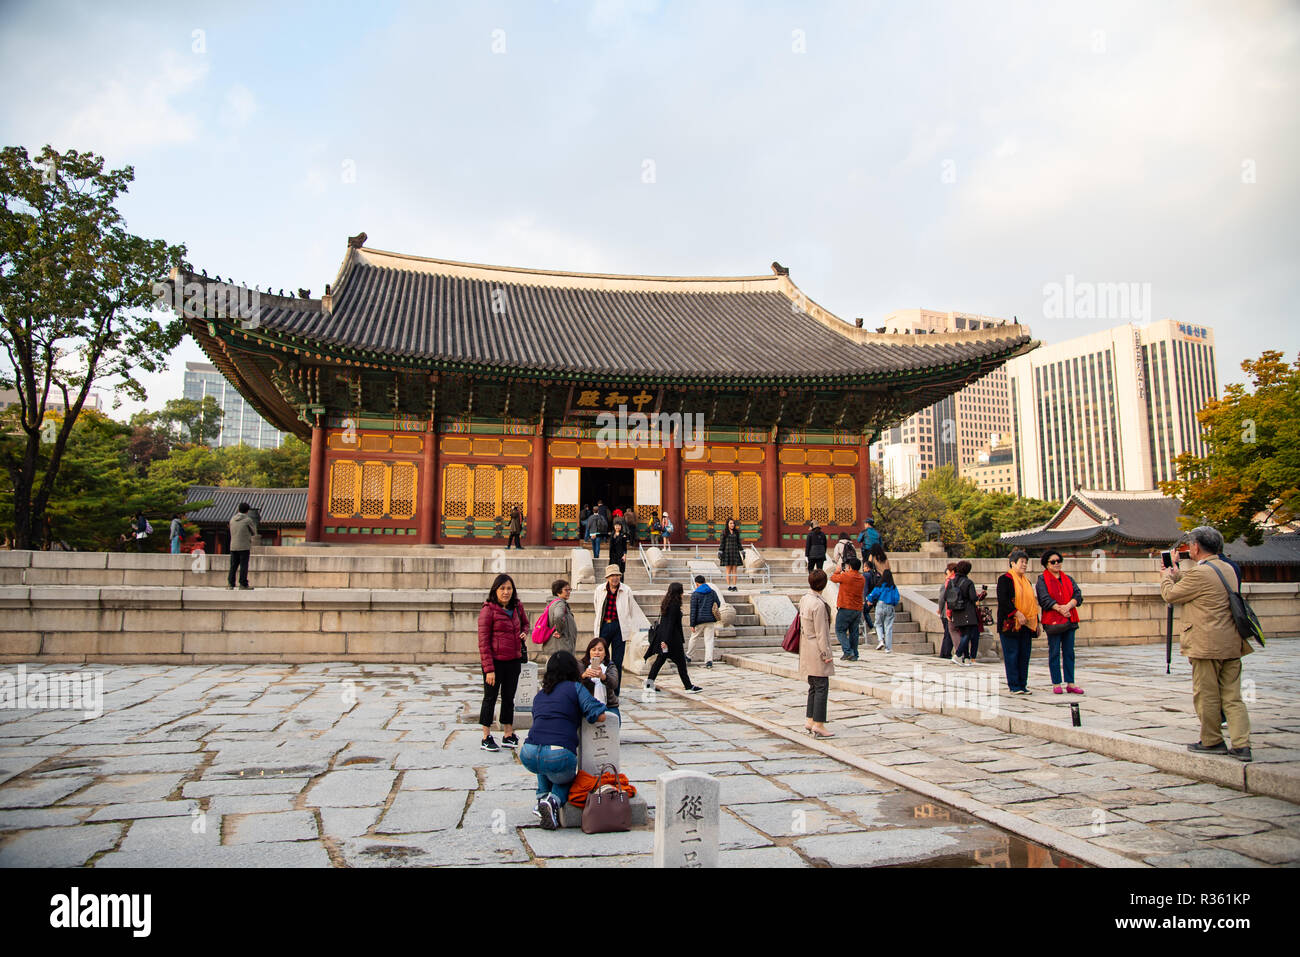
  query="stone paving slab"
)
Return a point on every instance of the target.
[
  {"x": 395, "y": 779},
  {"x": 1145, "y": 716}
]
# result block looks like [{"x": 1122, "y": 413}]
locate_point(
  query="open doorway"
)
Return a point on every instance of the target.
[{"x": 614, "y": 487}]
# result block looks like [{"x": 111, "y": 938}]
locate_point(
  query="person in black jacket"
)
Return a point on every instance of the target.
[
  {"x": 960, "y": 599},
  {"x": 815, "y": 548},
  {"x": 671, "y": 642},
  {"x": 618, "y": 547}
]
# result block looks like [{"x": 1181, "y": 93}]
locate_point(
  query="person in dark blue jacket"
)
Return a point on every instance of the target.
[{"x": 551, "y": 751}]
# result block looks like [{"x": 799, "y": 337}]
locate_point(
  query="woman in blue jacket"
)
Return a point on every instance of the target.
[
  {"x": 551, "y": 751},
  {"x": 883, "y": 598}
]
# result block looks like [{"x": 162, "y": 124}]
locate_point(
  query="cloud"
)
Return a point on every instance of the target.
[
  {"x": 239, "y": 106},
  {"x": 136, "y": 108}
]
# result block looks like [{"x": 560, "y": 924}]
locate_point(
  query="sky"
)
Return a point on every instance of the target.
[{"x": 962, "y": 155}]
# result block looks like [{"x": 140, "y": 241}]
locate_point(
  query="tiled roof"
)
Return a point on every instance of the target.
[
  {"x": 278, "y": 506},
  {"x": 1141, "y": 517},
  {"x": 1282, "y": 549},
  {"x": 755, "y": 326}
]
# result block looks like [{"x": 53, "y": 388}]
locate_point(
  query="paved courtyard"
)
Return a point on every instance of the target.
[{"x": 352, "y": 765}]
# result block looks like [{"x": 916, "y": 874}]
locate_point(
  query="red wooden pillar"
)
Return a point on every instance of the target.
[
  {"x": 429, "y": 489},
  {"x": 538, "y": 508},
  {"x": 672, "y": 503},
  {"x": 316, "y": 491},
  {"x": 771, "y": 537},
  {"x": 864, "y": 481}
]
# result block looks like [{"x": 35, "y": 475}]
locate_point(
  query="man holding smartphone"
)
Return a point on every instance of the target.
[{"x": 1210, "y": 641}]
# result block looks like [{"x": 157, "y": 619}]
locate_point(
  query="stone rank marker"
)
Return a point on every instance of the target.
[
  {"x": 599, "y": 745},
  {"x": 686, "y": 820}
]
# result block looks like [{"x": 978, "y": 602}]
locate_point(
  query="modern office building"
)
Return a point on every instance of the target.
[
  {"x": 954, "y": 430},
  {"x": 1110, "y": 410},
  {"x": 54, "y": 403},
  {"x": 240, "y": 423},
  {"x": 995, "y": 468}
]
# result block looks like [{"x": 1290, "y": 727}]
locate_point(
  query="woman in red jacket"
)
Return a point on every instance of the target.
[{"x": 502, "y": 631}]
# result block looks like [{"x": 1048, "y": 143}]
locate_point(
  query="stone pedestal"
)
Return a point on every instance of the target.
[{"x": 933, "y": 550}]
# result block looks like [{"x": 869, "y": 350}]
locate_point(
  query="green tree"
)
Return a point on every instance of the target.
[
  {"x": 184, "y": 421},
  {"x": 1252, "y": 460},
  {"x": 75, "y": 288},
  {"x": 285, "y": 467}
]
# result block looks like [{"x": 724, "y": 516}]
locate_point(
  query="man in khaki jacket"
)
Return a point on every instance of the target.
[{"x": 1211, "y": 642}]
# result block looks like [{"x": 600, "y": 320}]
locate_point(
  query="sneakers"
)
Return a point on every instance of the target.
[
  {"x": 1198, "y": 748},
  {"x": 694, "y": 689},
  {"x": 245, "y": 587},
  {"x": 880, "y": 645},
  {"x": 708, "y": 664},
  {"x": 889, "y": 651},
  {"x": 548, "y": 810},
  {"x": 510, "y": 741},
  {"x": 649, "y": 686},
  {"x": 489, "y": 745},
  {"x": 689, "y": 659},
  {"x": 1241, "y": 754}
]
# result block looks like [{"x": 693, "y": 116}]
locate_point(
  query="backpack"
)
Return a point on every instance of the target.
[
  {"x": 958, "y": 605},
  {"x": 1243, "y": 616},
  {"x": 148, "y": 527},
  {"x": 848, "y": 552},
  {"x": 542, "y": 630}
]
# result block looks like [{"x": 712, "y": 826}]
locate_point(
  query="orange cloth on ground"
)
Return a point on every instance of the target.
[{"x": 585, "y": 783}]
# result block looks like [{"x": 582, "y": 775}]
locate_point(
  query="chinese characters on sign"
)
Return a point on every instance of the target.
[{"x": 595, "y": 401}]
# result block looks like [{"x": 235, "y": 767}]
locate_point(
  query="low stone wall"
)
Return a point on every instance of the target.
[
  {"x": 288, "y": 568},
  {"x": 131, "y": 625},
  {"x": 1128, "y": 614}
]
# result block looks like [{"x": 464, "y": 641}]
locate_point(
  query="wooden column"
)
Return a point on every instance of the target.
[
  {"x": 864, "y": 481},
  {"x": 771, "y": 537},
  {"x": 538, "y": 508},
  {"x": 428, "y": 526},
  {"x": 316, "y": 490},
  {"x": 672, "y": 503}
]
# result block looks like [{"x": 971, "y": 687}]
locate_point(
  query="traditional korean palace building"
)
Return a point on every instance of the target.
[{"x": 438, "y": 395}]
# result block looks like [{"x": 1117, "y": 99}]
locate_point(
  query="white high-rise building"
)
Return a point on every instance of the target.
[
  {"x": 1110, "y": 410},
  {"x": 953, "y": 431}
]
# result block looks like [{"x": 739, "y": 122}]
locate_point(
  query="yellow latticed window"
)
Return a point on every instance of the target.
[
  {"x": 843, "y": 489},
  {"x": 564, "y": 450},
  {"x": 723, "y": 454},
  {"x": 590, "y": 450},
  {"x": 487, "y": 446},
  {"x": 373, "y": 480},
  {"x": 454, "y": 445},
  {"x": 343, "y": 489},
  {"x": 794, "y": 498},
  {"x": 697, "y": 497},
  {"x": 819, "y": 457},
  {"x": 844, "y": 457},
  {"x": 751, "y": 498},
  {"x": 564, "y": 513},
  {"x": 485, "y": 492},
  {"x": 791, "y": 457},
  {"x": 402, "y": 496},
  {"x": 375, "y": 442},
  {"x": 455, "y": 491},
  {"x": 514, "y": 491},
  {"x": 724, "y": 496},
  {"x": 749, "y": 455},
  {"x": 342, "y": 440},
  {"x": 516, "y": 447},
  {"x": 819, "y": 498}
]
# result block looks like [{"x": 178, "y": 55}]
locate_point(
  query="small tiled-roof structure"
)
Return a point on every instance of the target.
[
  {"x": 279, "y": 507},
  {"x": 1133, "y": 519},
  {"x": 1280, "y": 549}
]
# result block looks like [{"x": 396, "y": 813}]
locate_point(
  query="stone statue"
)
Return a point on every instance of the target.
[{"x": 932, "y": 531}]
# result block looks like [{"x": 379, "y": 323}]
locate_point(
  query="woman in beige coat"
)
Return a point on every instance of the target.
[{"x": 815, "y": 660}]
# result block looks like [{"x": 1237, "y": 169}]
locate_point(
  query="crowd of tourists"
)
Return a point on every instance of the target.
[{"x": 620, "y": 530}]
